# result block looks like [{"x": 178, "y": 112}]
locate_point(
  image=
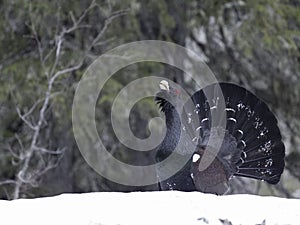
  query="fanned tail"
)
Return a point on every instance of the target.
[{"x": 252, "y": 138}]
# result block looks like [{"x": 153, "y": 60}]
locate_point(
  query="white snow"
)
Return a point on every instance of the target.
[{"x": 143, "y": 208}]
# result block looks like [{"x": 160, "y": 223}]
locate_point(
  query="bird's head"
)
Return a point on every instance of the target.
[{"x": 169, "y": 97}]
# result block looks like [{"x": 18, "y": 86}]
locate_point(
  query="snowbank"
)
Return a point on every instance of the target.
[{"x": 143, "y": 208}]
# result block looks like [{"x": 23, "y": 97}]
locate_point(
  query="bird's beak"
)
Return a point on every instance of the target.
[{"x": 164, "y": 85}]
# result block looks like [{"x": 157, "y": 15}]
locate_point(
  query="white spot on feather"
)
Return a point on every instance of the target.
[
  {"x": 232, "y": 119},
  {"x": 203, "y": 120},
  {"x": 230, "y": 109},
  {"x": 196, "y": 157}
]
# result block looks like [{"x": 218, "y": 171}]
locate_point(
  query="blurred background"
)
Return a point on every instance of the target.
[{"x": 45, "y": 47}]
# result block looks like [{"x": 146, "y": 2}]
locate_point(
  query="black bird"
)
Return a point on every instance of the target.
[{"x": 250, "y": 141}]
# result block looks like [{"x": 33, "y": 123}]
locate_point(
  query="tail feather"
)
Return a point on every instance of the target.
[
  {"x": 272, "y": 179},
  {"x": 249, "y": 120}
]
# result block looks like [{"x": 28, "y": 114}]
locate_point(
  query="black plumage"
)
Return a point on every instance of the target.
[{"x": 250, "y": 141}]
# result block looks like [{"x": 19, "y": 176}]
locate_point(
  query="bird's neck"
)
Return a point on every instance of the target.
[
  {"x": 173, "y": 132},
  {"x": 173, "y": 120}
]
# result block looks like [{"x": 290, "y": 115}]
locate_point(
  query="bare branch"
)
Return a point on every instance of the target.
[
  {"x": 13, "y": 153},
  {"x": 47, "y": 158},
  {"x": 72, "y": 17},
  {"x": 33, "y": 107},
  {"x": 50, "y": 166},
  {"x": 59, "y": 41},
  {"x": 41, "y": 118},
  {"x": 20, "y": 142},
  {"x": 99, "y": 43},
  {"x": 30, "y": 111},
  {"x": 44, "y": 150},
  {"x": 29, "y": 124},
  {"x": 7, "y": 182},
  {"x": 79, "y": 20},
  {"x": 64, "y": 71},
  {"x": 49, "y": 54},
  {"x": 106, "y": 24},
  {"x": 36, "y": 37},
  {"x": 233, "y": 4},
  {"x": 21, "y": 177}
]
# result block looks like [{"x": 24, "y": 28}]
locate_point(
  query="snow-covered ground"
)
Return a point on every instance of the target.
[{"x": 153, "y": 208}]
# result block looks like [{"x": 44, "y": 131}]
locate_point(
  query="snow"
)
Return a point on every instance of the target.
[{"x": 143, "y": 208}]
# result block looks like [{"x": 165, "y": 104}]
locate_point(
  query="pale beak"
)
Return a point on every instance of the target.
[{"x": 164, "y": 85}]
